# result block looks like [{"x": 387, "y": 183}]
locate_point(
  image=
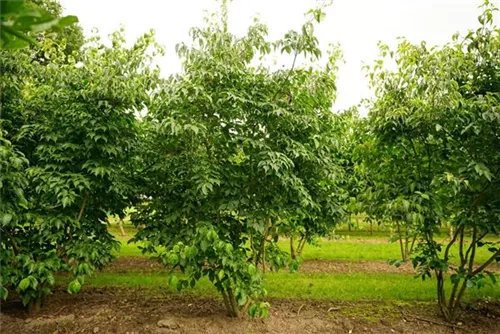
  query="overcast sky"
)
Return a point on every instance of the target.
[{"x": 356, "y": 24}]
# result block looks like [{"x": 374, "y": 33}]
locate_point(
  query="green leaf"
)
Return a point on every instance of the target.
[
  {"x": 4, "y": 293},
  {"x": 74, "y": 286},
  {"x": 221, "y": 274},
  {"x": 174, "y": 281},
  {"x": 24, "y": 284},
  {"x": 252, "y": 310},
  {"x": 492, "y": 277},
  {"x": 5, "y": 218}
]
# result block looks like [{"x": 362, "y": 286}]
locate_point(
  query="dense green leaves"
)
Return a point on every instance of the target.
[
  {"x": 21, "y": 19},
  {"x": 69, "y": 137},
  {"x": 229, "y": 155},
  {"x": 236, "y": 151},
  {"x": 434, "y": 153}
]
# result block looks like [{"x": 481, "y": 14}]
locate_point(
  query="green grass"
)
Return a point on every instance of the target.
[
  {"x": 345, "y": 286},
  {"x": 355, "y": 251},
  {"x": 343, "y": 250},
  {"x": 353, "y": 286}
]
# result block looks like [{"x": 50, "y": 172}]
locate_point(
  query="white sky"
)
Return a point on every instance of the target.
[{"x": 356, "y": 24}]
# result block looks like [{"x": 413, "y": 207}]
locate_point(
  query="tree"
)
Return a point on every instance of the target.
[
  {"x": 439, "y": 115},
  {"x": 72, "y": 127},
  {"x": 390, "y": 195},
  {"x": 234, "y": 149}
]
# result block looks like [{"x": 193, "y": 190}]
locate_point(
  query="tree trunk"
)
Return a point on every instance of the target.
[
  {"x": 122, "y": 231},
  {"x": 35, "y": 305},
  {"x": 407, "y": 251},
  {"x": 401, "y": 246},
  {"x": 301, "y": 245},
  {"x": 234, "y": 311}
]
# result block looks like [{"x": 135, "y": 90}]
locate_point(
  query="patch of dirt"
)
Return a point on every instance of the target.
[
  {"x": 125, "y": 310},
  {"x": 143, "y": 264},
  {"x": 342, "y": 267},
  {"x": 127, "y": 264}
]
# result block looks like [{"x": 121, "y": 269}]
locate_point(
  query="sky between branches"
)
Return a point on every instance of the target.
[{"x": 357, "y": 25}]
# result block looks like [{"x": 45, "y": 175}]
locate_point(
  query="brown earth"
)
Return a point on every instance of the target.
[
  {"x": 120, "y": 310},
  {"x": 143, "y": 264}
]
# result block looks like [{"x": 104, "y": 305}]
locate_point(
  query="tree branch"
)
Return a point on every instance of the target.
[{"x": 487, "y": 263}]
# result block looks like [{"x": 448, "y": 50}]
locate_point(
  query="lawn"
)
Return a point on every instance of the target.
[
  {"x": 349, "y": 286},
  {"x": 352, "y": 246},
  {"x": 351, "y": 249}
]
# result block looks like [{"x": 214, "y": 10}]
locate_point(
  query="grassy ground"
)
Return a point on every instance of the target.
[
  {"x": 350, "y": 286},
  {"x": 345, "y": 250},
  {"x": 354, "y": 246}
]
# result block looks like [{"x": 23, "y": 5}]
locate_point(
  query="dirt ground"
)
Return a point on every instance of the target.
[
  {"x": 120, "y": 310},
  {"x": 142, "y": 264}
]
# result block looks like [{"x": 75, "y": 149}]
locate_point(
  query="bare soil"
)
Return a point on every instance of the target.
[
  {"x": 125, "y": 310},
  {"x": 142, "y": 264}
]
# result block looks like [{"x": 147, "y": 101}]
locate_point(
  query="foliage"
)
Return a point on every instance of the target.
[
  {"x": 436, "y": 135},
  {"x": 19, "y": 19},
  {"x": 234, "y": 151},
  {"x": 70, "y": 132}
]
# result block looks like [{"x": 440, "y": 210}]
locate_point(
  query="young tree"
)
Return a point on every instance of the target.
[
  {"x": 234, "y": 149},
  {"x": 438, "y": 115},
  {"x": 389, "y": 195}
]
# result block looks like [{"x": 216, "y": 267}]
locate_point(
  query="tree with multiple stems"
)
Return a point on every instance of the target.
[
  {"x": 236, "y": 149},
  {"x": 436, "y": 138}
]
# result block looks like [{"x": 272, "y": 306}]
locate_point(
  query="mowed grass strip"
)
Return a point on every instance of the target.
[
  {"x": 352, "y": 286},
  {"x": 332, "y": 250}
]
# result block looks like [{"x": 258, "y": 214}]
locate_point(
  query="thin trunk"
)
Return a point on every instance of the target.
[
  {"x": 371, "y": 228},
  {"x": 487, "y": 263},
  {"x": 226, "y": 302},
  {"x": 35, "y": 305},
  {"x": 252, "y": 247},
  {"x": 235, "y": 312},
  {"x": 407, "y": 250},
  {"x": 292, "y": 249},
  {"x": 225, "y": 297},
  {"x": 442, "y": 295},
  {"x": 261, "y": 254},
  {"x": 473, "y": 253},
  {"x": 400, "y": 237},
  {"x": 453, "y": 293},
  {"x": 82, "y": 207},
  {"x": 413, "y": 243},
  {"x": 120, "y": 223},
  {"x": 453, "y": 312},
  {"x": 302, "y": 243}
]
